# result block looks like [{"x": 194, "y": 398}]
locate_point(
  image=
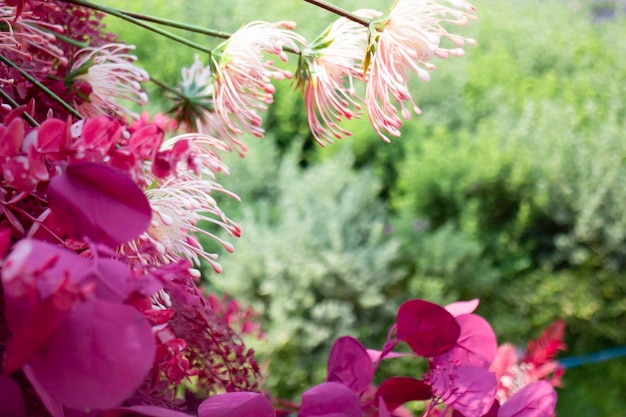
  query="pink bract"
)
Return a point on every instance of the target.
[
  {"x": 330, "y": 399},
  {"x": 470, "y": 390},
  {"x": 96, "y": 202},
  {"x": 349, "y": 364},
  {"x": 534, "y": 400},
  {"x": 476, "y": 345},
  {"x": 398, "y": 390},
  {"x": 236, "y": 404}
]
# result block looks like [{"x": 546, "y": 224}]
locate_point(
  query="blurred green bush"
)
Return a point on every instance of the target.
[{"x": 314, "y": 259}]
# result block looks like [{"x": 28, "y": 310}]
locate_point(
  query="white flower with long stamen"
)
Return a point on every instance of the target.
[
  {"x": 243, "y": 74},
  {"x": 180, "y": 203},
  {"x": 105, "y": 75},
  {"x": 326, "y": 71},
  {"x": 404, "y": 40}
]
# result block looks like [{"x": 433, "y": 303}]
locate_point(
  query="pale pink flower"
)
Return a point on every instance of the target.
[
  {"x": 326, "y": 71},
  {"x": 180, "y": 202},
  {"x": 404, "y": 40},
  {"x": 242, "y": 73},
  {"x": 105, "y": 75}
]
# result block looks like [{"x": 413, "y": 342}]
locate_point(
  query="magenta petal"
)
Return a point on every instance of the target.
[
  {"x": 469, "y": 389},
  {"x": 534, "y": 400},
  {"x": 144, "y": 411},
  {"x": 382, "y": 408},
  {"x": 399, "y": 390},
  {"x": 52, "y": 136},
  {"x": 98, "y": 357},
  {"x": 427, "y": 328},
  {"x": 462, "y": 307},
  {"x": 11, "y": 401},
  {"x": 330, "y": 399},
  {"x": 349, "y": 364},
  {"x": 100, "y": 203},
  {"x": 236, "y": 404},
  {"x": 476, "y": 345}
]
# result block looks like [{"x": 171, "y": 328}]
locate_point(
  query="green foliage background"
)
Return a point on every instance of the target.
[{"x": 510, "y": 187}]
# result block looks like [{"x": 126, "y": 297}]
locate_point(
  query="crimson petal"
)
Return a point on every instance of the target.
[
  {"x": 429, "y": 329},
  {"x": 350, "y": 364},
  {"x": 11, "y": 401},
  {"x": 398, "y": 390}
]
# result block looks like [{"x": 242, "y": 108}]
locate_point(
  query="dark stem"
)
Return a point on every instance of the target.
[
  {"x": 178, "y": 25},
  {"x": 166, "y": 87},
  {"x": 42, "y": 87},
  {"x": 119, "y": 14},
  {"x": 339, "y": 11},
  {"x": 15, "y": 105}
]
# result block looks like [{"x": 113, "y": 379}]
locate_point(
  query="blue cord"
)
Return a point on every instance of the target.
[{"x": 602, "y": 355}]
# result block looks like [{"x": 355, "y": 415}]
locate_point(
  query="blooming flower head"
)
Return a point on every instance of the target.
[
  {"x": 242, "y": 74},
  {"x": 194, "y": 108},
  {"x": 514, "y": 373},
  {"x": 104, "y": 75},
  {"x": 324, "y": 66},
  {"x": 183, "y": 200},
  {"x": 401, "y": 41}
]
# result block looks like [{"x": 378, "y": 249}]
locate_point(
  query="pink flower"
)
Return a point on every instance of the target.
[
  {"x": 535, "y": 400},
  {"x": 325, "y": 74},
  {"x": 537, "y": 363},
  {"x": 242, "y": 74},
  {"x": 182, "y": 200},
  {"x": 104, "y": 75},
  {"x": 404, "y": 40}
]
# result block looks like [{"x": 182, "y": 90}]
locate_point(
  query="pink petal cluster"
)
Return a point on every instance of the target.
[
  {"x": 326, "y": 72},
  {"x": 403, "y": 41},
  {"x": 537, "y": 364},
  {"x": 104, "y": 75},
  {"x": 242, "y": 73}
]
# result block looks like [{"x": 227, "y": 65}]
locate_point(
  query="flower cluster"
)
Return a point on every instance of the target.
[
  {"x": 101, "y": 308},
  {"x": 458, "y": 346}
]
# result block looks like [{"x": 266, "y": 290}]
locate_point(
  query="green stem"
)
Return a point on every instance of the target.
[
  {"x": 15, "y": 105},
  {"x": 339, "y": 11},
  {"x": 42, "y": 87},
  {"x": 60, "y": 37},
  {"x": 69, "y": 40},
  {"x": 117, "y": 13},
  {"x": 178, "y": 25},
  {"x": 166, "y": 87}
]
